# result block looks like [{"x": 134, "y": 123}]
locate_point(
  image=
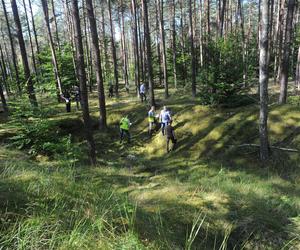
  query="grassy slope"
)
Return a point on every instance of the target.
[{"x": 152, "y": 199}]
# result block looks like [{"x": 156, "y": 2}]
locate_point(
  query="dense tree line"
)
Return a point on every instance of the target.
[{"x": 215, "y": 49}]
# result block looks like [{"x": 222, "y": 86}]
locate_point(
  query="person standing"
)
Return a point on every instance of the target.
[
  {"x": 151, "y": 120},
  {"x": 165, "y": 118},
  {"x": 67, "y": 97},
  {"x": 170, "y": 136},
  {"x": 143, "y": 92},
  {"x": 124, "y": 128}
]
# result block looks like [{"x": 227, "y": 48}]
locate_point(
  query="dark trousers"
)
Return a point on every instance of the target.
[
  {"x": 143, "y": 97},
  {"x": 68, "y": 107},
  {"x": 124, "y": 132},
  {"x": 173, "y": 140},
  {"x": 163, "y": 127}
]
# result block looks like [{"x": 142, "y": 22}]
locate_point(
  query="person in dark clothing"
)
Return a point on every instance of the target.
[
  {"x": 67, "y": 97},
  {"x": 170, "y": 136},
  {"x": 111, "y": 90}
]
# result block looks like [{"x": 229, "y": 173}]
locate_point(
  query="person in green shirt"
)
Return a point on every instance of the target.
[{"x": 124, "y": 128}]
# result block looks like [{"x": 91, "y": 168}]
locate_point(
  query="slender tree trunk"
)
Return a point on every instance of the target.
[
  {"x": 136, "y": 47},
  {"x": 4, "y": 70},
  {"x": 200, "y": 33},
  {"x": 30, "y": 39},
  {"x": 192, "y": 50},
  {"x": 87, "y": 48},
  {"x": 158, "y": 41},
  {"x": 279, "y": 39},
  {"x": 163, "y": 46},
  {"x": 113, "y": 49},
  {"x": 222, "y": 16},
  {"x": 149, "y": 54},
  {"x": 34, "y": 28},
  {"x": 141, "y": 48},
  {"x": 12, "y": 46},
  {"x": 174, "y": 43},
  {"x": 3, "y": 100},
  {"x": 55, "y": 24},
  {"x": 27, "y": 74},
  {"x": 97, "y": 58},
  {"x": 297, "y": 78},
  {"x": 106, "y": 64},
  {"x": 125, "y": 57},
  {"x": 53, "y": 52},
  {"x": 284, "y": 69},
  {"x": 263, "y": 80},
  {"x": 82, "y": 81}
]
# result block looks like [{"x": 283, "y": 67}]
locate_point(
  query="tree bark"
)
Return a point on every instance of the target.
[
  {"x": 297, "y": 78},
  {"x": 12, "y": 46},
  {"x": 55, "y": 25},
  {"x": 97, "y": 58},
  {"x": 125, "y": 57},
  {"x": 193, "y": 69},
  {"x": 34, "y": 28},
  {"x": 53, "y": 52},
  {"x": 263, "y": 80},
  {"x": 174, "y": 46},
  {"x": 113, "y": 50},
  {"x": 284, "y": 69},
  {"x": 3, "y": 100},
  {"x": 27, "y": 74},
  {"x": 163, "y": 46},
  {"x": 135, "y": 47},
  {"x": 82, "y": 81},
  {"x": 30, "y": 39},
  {"x": 148, "y": 54}
]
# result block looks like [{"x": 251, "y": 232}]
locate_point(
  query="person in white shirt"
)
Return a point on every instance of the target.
[{"x": 143, "y": 92}]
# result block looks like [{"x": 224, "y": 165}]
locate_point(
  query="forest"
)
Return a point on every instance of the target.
[{"x": 150, "y": 124}]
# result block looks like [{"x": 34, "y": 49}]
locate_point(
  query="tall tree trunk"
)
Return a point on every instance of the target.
[
  {"x": 222, "y": 16},
  {"x": 135, "y": 47},
  {"x": 106, "y": 61},
  {"x": 279, "y": 39},
  {"x": 174, "y": 43},
  {"x": 158, "y": 41},
  {"x": 193, "y": 69},
  {"x": 200, "y": 33},
  {"x": 82, "y": 81},
  {"x": 163, "y": 46},
  {"x": 34, "y": 28},
  {"x": 27, "y": 74},
  {"x": 3, "y": 100},
  {"x": 284, "y": 69},
  {"x": 125, "y": 57},
  {"x": 12, "y": 47},
  {"x": 53, "y": 52},
  {"x": 149, "y": 54},
  {"x": 97, "y": 58},
  {"x": 87, "y": 49},
  {"x": 30, "y": 39},
  {"x": 113, "y": 49},
  {"x": 263, "y": 80},
  {"x": 297, "y": 78},
  {"x": 55, "y": 24}
]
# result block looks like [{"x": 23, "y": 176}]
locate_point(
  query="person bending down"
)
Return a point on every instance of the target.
[{"x": 170, "y": 136}]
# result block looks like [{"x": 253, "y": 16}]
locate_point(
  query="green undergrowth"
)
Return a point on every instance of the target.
[{"x": 211, "y": 192}]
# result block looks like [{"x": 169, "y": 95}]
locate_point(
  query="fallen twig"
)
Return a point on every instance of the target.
[{"x": 272, "y": 147}]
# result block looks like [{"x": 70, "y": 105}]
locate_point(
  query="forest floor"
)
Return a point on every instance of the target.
[{"x": 207, "y": 194}]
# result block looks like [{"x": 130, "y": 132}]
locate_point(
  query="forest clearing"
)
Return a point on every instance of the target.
[{"x": 150, "y": 124}]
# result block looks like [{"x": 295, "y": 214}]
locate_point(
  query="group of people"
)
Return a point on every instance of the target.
[
  {"x": 66, "y": 96},
  {"x": 162, "y": 121}
]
